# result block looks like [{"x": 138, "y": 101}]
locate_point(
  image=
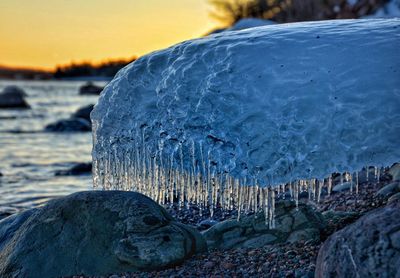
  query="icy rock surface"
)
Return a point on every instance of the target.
[{"x": 262, "y": 106}]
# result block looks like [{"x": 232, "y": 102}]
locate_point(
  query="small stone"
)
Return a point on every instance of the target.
[
  {"x": 342, "y": 187},
  {"x": 228, "y": 265}
]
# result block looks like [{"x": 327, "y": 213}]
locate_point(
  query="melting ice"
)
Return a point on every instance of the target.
[{"x": 235, "y": 118}]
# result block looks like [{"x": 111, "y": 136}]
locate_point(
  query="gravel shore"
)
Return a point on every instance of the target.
[{"x": 279, "y": 260}]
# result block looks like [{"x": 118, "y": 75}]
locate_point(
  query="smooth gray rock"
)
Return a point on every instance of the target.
[
  {"x": 367, "y": 248},
  {"x": 94, "y": 233},
  {"x": 389, "y": 189},
  {"x": 291, "y": 225},
  {"x": 13, "y": 97},
  {"x": 207, "y": 223},
  {"x": 342, "y": 187}
]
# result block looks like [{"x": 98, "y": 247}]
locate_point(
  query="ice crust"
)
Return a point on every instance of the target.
[{"x": 265, "y": 106}]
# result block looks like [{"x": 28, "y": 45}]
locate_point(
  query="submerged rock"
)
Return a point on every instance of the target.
[
  {"x": 13, "y": 97},
  {"x": 90, "y": 89},
  {"x": 79, "y": 121},
  {"x": 83, "y": 112},
  {"x": 291, "y": 225},
  {"x": 94, "y": 233},
  {"x": 370, "y": 247},
  {"x": 77, "y": 169},
  {"x": 69, "y": 125}
]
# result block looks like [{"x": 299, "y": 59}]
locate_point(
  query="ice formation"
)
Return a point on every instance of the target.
[{"x": 234, "y": 118}]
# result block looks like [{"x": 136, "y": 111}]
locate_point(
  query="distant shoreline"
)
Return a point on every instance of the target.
[{"x": 84, "y": 71}]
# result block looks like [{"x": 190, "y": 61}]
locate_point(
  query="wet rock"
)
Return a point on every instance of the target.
[
  {"x": 9, "y": 226},
  {"x": 94, "y": 233},
  {"x": 84, "y": 112},
  {"x": 76, "y": 170},
  {"x": 7, "y": 211},
  {"x": 13, "y": 97},
  {"x": 370, "y": 247},
  {"x": 90, "y": 89},
  {"x": 389, "y": 189},
  {"x": 69, "y": 125},
  {"x": 291, "y": 225}
]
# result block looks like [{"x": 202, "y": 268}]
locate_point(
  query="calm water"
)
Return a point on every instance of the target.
[{"x": 29, "y": 157}]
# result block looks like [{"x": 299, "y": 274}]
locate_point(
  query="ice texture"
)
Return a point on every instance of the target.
[{"x": 263, "y": 106}]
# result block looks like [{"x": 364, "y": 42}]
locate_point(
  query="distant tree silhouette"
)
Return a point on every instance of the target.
[
  {"x": 87, "y": 69},
  {"x": 281, "y": 11}
]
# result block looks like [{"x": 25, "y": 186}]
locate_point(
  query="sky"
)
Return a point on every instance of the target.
[{"x": 46, "y": 33}]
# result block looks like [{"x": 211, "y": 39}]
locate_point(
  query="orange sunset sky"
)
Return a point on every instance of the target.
[{"x": 44, "y": 33}]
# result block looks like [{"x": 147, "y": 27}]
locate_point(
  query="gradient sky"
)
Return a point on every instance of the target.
[{"x": 44, "y": 33}]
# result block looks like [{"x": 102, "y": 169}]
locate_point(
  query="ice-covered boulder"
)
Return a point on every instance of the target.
[{"x": 264, "y": 106}]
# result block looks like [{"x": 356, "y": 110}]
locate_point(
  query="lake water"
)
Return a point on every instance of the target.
[{"x": 30, "y": 157}]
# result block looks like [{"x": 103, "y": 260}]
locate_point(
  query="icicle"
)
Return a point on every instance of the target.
[
  {"x": 329, "y": 185},
  {"x": 379, "y": 174},
  {"x": 297, "y": 189},
  {"x": 351, "y": 184},
  {"x": 272, "y": 214},
  {"x": 320, "y": 185},
  {"x": 357, "y": 182},
  {"x": 255, "y": 192}
]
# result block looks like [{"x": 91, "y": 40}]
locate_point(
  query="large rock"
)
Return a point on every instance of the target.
[
  {"x": 292, "y": 225},
  {"x": 13, "y": 97},
  {"x": 69, "y": 125},
  {"x": 370, "y": 247},
  {"x": 94, "y": 233}
]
